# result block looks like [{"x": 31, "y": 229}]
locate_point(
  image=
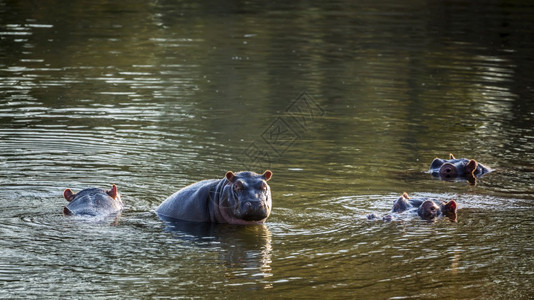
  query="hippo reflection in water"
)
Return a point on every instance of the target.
[
  {"x": 248, "y": 248},
  {"x": 92, "y": 202},
  {"x": 239, "y": 198},
  {"x": 427, "y": 208},
  {"x": 454, "y": 168}
]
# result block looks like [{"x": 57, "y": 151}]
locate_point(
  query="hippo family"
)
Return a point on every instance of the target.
[
  {"x": 427, "y": 208},
  {"x": 245, "y": 197},
  {"x": 454, "y": 168},
  {"x": 238, "y": 198},
  {"x": 92, "y": 202}
]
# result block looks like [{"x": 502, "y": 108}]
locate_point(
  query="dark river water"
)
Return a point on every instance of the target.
[{"x": 347, "y": 102}]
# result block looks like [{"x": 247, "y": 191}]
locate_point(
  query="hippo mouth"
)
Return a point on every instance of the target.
[
  {"x": 254, "y": 218},
  {"x": 253, "y": 211},
  {"x": 429, "y": 216}
]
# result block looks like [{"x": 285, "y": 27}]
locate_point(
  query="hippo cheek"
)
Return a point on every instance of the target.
[{"x": 448, "y": 170}]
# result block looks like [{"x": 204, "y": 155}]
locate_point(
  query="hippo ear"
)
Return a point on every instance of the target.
[
  {"x": 405, "y": 195},
  {"x": 451, "y": 206},
  {"x": 230, "y": 176},
  {"x": 449, "y": 210},
  {"x": 113, "y": 192},
  {"x": 68, "y": 195},
  {"x": 267, "y": 175},
  {"x": 471, "y": 179},
  {"x": 451, "y": 156},
  {"x": 471, "y": 166}
]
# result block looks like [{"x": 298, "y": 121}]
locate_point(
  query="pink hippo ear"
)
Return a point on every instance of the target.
[
  {"x": 230, "y": 176},
  {"x": 68, "y": 195},
  {"x": 113, "y": 192},
  {"x": 405, "y": 195},
  {"x": 267, "y": 175},
  {"x": 471, "y": 166},
  {"x": 451, "y": 156},
  {"x": 451, "y": 205},
  {"x": 449, "y": 210}
]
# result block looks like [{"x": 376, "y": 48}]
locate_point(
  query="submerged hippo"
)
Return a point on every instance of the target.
[
  {"x": 239, "y": 198},
  {"x": 453, "y": 168},
  {"x": 427, "y": 209},
  {"x": 92, "y": 202}
]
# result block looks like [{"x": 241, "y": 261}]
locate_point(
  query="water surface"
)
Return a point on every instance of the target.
[{"x": 156, "y": 95}]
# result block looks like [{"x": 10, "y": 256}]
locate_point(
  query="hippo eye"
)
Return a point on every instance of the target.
[{"x": 238, "y": 186}]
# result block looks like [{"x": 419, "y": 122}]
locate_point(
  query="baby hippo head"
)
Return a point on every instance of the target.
[
  {"x": 429, "y": 210},
  {"x": 92, "y": 202},
  {"x": 250, "y": 196}
]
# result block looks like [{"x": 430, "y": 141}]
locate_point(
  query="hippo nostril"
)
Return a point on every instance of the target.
[{"x": 447, "y": 170}]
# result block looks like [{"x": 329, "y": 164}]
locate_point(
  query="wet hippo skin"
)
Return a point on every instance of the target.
[
  {"x": 92, "y": 202},
  {"x": 427, "y": 208},
  {"x": 238, "y": 198},
  {"x": 454, "y": 168}
]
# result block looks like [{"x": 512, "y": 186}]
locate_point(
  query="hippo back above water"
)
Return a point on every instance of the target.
[
  {"x": 454, "y": 168},
  {"x": 239, "y": 198},
  {"x": 92, "y": 202}
]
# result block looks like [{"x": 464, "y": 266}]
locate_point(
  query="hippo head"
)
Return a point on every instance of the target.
[
  {"x": 249, "y": 195},
  {"x": 92, "y": 201},
  {"x": 69, "y": 195},
  {"x": 429, "y": 210},
  {"x": 402, "y": 203},
  {"x": 453, "y": 168}
]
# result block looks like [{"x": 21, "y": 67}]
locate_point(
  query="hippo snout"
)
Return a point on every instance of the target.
[
  {"x": 253, "y": 211},
  {"x": 429, "y": 210},
  {"x": 448, "y": 170},
  {"x": 253, "y": 206}
]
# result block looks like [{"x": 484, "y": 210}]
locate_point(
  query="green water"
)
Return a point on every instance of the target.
[{"x": 347, "y": 103}]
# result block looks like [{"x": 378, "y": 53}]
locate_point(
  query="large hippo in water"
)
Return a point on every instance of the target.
[
  {"x": 454, "y": 168},
  {"x": 427, "y": 208},
  {"x": 92, "y": 202},
  {"x": 239, "y": 198}
]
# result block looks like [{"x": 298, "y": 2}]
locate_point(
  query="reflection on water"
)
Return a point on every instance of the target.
[
  {"x": 153, "y": 96},
  {"x": 245, "y": 250}
]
